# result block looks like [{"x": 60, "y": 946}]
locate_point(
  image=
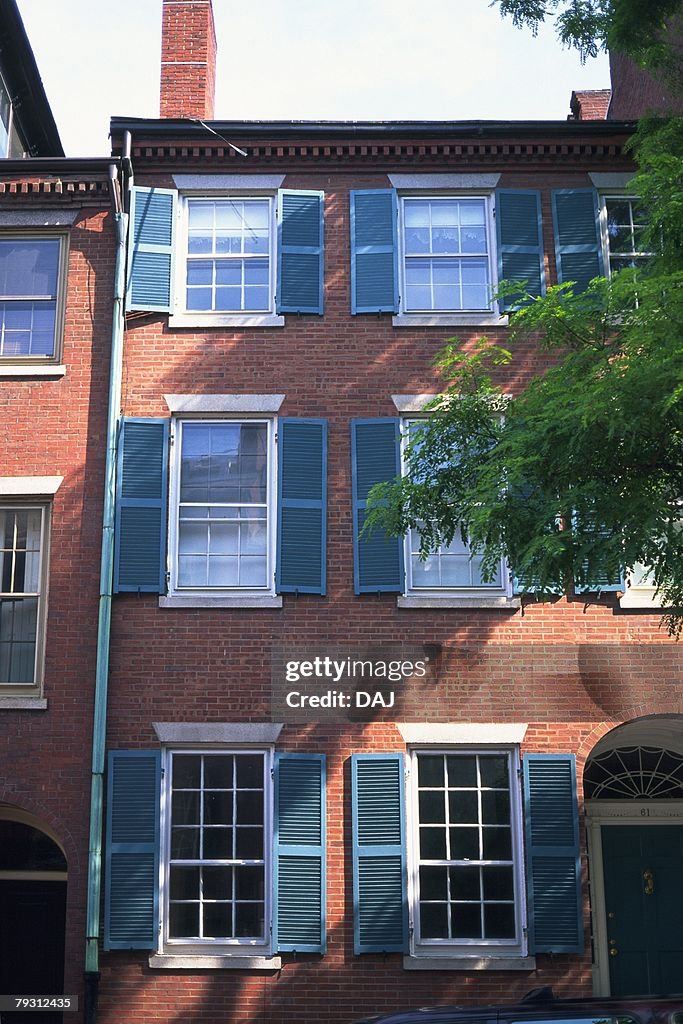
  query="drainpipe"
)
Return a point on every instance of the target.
[{"x": 106, "y": 584}]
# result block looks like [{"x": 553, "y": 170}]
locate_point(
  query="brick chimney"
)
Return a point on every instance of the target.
[
  {"x": 589, "y": 105},
  {"x": 188, "y": 59}
]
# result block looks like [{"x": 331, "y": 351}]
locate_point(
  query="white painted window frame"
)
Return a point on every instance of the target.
[
  {"x": 199, "y": 593},
  {"x": 34, "y": 689},
  {"x": 604, "y": 198},
  {"x": 216, "y": 947},
  {"x": 184, "y": 317},
  {"x": 474, "y": 949},
  {"x": 491, "y": 313},
  {"x": 486, "y": 590}
]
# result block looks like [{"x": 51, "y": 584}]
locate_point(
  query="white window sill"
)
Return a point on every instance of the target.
[
  {"x": 23, "y": 703},
  {"x": 640, "y": 597},
  {"x": 455, "y": 601},
  {"x": 32, "y": 370},
  {"x": 226, "y": 320},
  {"x": 222, "y": 601},
  {"x": 469, "y": 963},
  {"x": 172, "y": 962},
  {"x": 473, "y": 319}
]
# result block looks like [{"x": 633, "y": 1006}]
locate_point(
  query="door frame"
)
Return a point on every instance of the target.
[{"x": 615, "y": 812}]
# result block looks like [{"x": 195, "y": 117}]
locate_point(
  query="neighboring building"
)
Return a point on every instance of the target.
[
  {"x": 56, "y": 274},
  {"x": 290, "y": 285}
]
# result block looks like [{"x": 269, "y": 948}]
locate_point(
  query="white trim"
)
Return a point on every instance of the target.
[
  {"x": 469, "y": 599},
  {"x": 469, "y": 963},
  {"x": 225, "y": 319},
  {"x": 455, "y": 950},
  {"x": 445, "y": 181},
  {"x": 455, "y": 319},
  {"x": 463, "y": 734},
  {"x": 29, "y": 486},
  {"x": 231, "y": 734},
  {"x": 164, "y": 961},
  {"x": 485, "y": 316},
  {"x": 216, "y": 948},
  {"x": 227, "y": 182},
  {"x": 221, "y": 597},
  {"x": 181, "y": 316},
  {"x": 615, "y": 812},
  {"x": 228, "y": 403},
  {"x": 32, "y": 370},
  {"x": 182, "y": 600}
]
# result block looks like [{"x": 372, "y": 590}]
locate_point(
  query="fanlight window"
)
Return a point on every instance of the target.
[{"x": 634, "y": 773}]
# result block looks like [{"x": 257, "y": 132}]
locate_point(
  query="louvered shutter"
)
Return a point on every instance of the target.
[
  {"x": 552, "y": 853},
  {"x": 151, "y": 243},
  {"x": 302, "y": 506},
  {"x": 300, "y": 878},
  {"x": 131, "y": 901},
  {"x": 610, "y": 582},
  {"x": 380, "y": 900},
  {"x": 578, "y": 249},
  {"x": 374, "y": 251},
  {"x": 520, "y": 241},
  {"x": 300, "y": 252},
  {"x": 141, "y": 498},
  {"x": 378, "y": 558}
]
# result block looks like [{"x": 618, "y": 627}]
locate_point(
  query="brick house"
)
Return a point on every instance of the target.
[
  {"x": 277, "y": 838},
  {"x": 56, "y": 274},
  {"x": 340, "y": 779}
]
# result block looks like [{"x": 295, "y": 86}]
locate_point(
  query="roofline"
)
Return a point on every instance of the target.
[
  {"x": 187, "y": 127},
  {"x": 33, "y": 112},
  {"x": 53, "y": 166}
]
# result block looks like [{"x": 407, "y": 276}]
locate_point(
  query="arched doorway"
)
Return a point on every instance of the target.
[
  {"x": 633, "y": 789},
  {"x": 33, "y": 874}
]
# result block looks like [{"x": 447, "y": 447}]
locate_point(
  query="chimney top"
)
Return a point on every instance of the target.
[
  {"x": 589, "y": 105},
  {"x": 188, "y": 59}
]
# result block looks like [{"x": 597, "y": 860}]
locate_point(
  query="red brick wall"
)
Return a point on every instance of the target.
[{"x": 57, "y": 427}]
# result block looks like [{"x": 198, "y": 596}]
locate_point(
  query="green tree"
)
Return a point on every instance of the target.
[
  {"x": 639, "y": 28},
  {"x": 580, "y": 474}
]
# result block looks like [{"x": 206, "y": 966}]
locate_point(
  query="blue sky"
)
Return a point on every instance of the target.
[{"x": 307, "y": 59}]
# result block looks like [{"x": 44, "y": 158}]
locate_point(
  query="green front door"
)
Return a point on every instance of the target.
[{"x": 643, "y": 869}]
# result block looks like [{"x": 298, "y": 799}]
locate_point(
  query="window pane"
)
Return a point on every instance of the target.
[
  {"x": 432, "y": 843},
  {"x": 29, "y": 267},
  {"x": 217, "y": 883},
  {"x": 499, "y": 920},
  {"x": 430, "y": 770},
  {"x": 217, "y": 843},
  {"x": 494, "y": 772},
  {"x": 183, "y": 920},
  {"x": 186, "y": 808},
  {"x": 432, "y": 807},
  {"x": 217, "y": 920},
  {"x": 184, "y": 883},
  {"x": 249, "y": 920},
  {"x": 466, "y": 920},
  {"x": 464, "y": 843},
  {"x": 186, "y": 771},
  {"x": 433, "y": 883},
  {"x": 498, "y": 883},
  {"x": 232, "y": 231},
  {"x": 465, "y": 883},
  {"x": 462, "y": 771},
  {"x": 497, "y": 844},
  {"x": 463, "y": 807},
  {"x": 434, "y": 920}
]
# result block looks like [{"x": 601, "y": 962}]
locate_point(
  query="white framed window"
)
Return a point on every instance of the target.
[
  {"x": 32, "y": 284},
  {"x": 446, "y": 246},
  {"x": 216, "y": 865},
  {"x": 465, "y": 853},
  {"x": 222, "y": 507},
  {"x": 452, "y": 568},
  {"x": 228, "y": 244},
  {"x": 623, "y": 229},
  {"x": 23, "y": 550}
]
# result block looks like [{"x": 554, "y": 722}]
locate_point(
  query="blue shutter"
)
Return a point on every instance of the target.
[
  {"x": 141, "y": 488},
  {"x": 376, "y": 458},
  {"x": 302, "y": 506},
  {"x": 520, "y": 240},
  {"x": 131, "y": 898},
  {"x": 613, "y": 582},
  {"x": 552, "y": 854},
  {"x": 374, "y": 251},
  {"x": 299, "y": 921},
  {"x": 578, "y": 249},
  {"x": 380, "y": 901},
  {"x": 300, "y": 252},
  {"x": 151, "y": 242}
]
